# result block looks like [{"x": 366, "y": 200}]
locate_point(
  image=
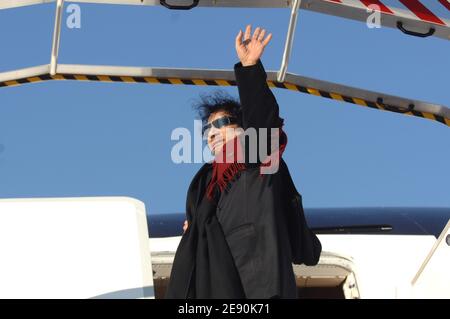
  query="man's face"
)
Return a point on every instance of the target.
[{"x": 217, "y": 137}]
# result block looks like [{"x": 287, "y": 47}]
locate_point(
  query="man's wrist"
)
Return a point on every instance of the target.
[{"x": 249, "y": 63}]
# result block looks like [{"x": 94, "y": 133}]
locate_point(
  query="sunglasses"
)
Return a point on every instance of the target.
[{"x": 220, "y": 122}]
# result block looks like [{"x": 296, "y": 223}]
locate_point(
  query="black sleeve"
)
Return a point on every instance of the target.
[
  {"x": 306, "y": 247},
  {"x": 259, "y": 106}
]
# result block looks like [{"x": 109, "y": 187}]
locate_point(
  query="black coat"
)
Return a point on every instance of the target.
[{"x": 259, "y": 221}]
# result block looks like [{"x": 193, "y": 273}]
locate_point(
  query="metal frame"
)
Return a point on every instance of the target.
[
  {"x": 280, "y": 79},
  {"x": 289, "y": 39},
  {"x": 220, "y": 77},
  {"x": 56, "y": 36},
  {"x": 418, "y": 19}
]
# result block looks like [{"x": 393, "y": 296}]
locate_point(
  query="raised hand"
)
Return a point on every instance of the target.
[{"x": 251, "y": 49}]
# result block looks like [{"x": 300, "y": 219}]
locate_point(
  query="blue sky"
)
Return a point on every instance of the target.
[{"x": 70, "y": 138}]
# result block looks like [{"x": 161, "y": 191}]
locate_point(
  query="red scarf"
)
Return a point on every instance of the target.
[{"x": 227, "y": 164}]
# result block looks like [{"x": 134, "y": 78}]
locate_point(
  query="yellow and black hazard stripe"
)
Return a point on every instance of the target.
[{"x": 283, "y": 85}]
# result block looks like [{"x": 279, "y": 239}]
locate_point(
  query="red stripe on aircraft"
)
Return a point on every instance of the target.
[
  {"x": 421, "y": 11},
  {"x": 383, "y": 8},
  {"x": 445, "y": 3}
]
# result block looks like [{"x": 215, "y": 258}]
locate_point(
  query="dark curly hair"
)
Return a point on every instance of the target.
[{"x": 219, "y": 100}]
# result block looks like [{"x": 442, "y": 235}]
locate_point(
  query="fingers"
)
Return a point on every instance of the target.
[
  {"x": 248, "y": 31},
  {"x": 256, "y": 34},
  {"x": 261, "y": 35},
  {"x": 267, "y": 40},
  {"x": 239, "y": 39}
]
